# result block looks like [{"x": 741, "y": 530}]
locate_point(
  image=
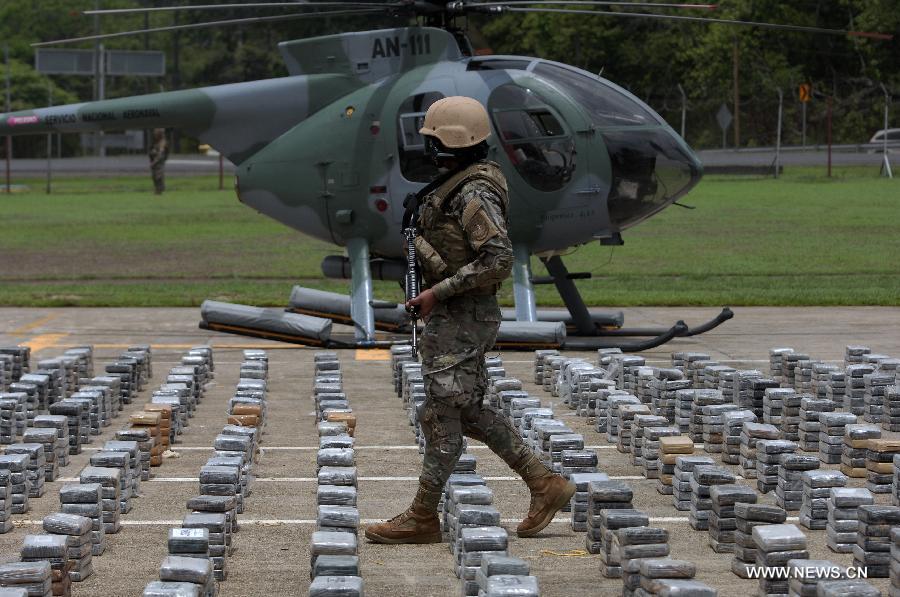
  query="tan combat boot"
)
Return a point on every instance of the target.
[
  {"x": 419, "y": 524},
  {"x": 549, "y": 493}
]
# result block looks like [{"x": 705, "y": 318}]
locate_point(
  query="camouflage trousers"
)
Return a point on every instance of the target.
[
  {"x": 158, "y": 172},
  {"x": 453, "y": 344}
]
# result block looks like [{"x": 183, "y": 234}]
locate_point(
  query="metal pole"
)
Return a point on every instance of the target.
[
  {"x": 828, "y": 132},
  {"x": 737, "y": 94},
  {"x": 8, "y": 110},
  {"x": 221, "y": 172},
  {"x": 803, "y": 126},
  {"x": 49, "y": 140},
  {"x": 523, "y": 290},
  {"x": 778, "y": 136},
  {"x": 102, "y": 93},
  {"x": 98, "y": 50},
  {"x": 886, "y": 166},
  {"x": 683, "y": 108}
]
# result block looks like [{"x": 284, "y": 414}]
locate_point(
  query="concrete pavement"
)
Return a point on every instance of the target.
[{"x": 272, "y": 547}]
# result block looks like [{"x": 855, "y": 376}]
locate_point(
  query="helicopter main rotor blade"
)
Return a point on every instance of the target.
[
  {"x": 460, "y": 5},
  {"x": 298, "y": 5},
  {"x": 208, "y": 24},
  {"x": 807, "y": 29}
]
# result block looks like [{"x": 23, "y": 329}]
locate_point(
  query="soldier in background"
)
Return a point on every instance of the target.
[
  {"x": 159, "y": 153},
  {"x": 465, "y": 253}
]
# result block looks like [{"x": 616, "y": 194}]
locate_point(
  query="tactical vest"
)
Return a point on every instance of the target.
[{"x": 442, "y": 245}]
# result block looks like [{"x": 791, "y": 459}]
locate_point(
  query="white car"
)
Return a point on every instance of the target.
[{"x": 893, "y": 139}]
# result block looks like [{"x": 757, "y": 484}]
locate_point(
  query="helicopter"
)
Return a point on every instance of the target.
[{"x": 333, "y": 149}]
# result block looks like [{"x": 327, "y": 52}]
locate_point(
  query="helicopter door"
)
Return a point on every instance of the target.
[
  {"x": 556, "y": 196},
  {"x": 414, "y": 168}
]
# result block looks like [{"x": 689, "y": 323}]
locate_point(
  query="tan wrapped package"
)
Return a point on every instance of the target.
[
  {"x": 246, "y": 409},
  {"x": 152, "y": 420},
  {"x": 853, "y": 472},
  {"x": 882, "y": 468},
  {"x": 165, "y": 416},
  {"x": 164, "y": 410},
  {"x": 883, "y": 445},
  {"x": 674, "y": 446},
  {"x": 857, "y": 444},
  {"x": 347, "y": 418},
  {"x": 243, "y": 420},
  {"x": 145, "y": 419}
]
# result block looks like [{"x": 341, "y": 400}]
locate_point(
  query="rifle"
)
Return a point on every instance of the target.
[
  {"x": 412, "y": 282},
  {"x": 413, "y": 278}
]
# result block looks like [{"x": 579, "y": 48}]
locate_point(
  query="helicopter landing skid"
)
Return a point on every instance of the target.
[{"x": 585, "y": 330}]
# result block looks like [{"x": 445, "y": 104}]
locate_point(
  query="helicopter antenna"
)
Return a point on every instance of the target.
[
  {"x": 296, "y": 5},
  {"x": 586, "y": 3},
  {"x": 514, "y": 6},
  {"x": 220, "y": 23}
]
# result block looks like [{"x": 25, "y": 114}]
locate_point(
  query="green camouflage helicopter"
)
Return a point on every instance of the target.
[{"x": 333, "y": 149}]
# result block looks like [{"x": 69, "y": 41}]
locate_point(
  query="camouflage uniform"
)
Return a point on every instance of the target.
[
  {"x": 465, "y": 254},
  {"x": 159, "y": 153}
]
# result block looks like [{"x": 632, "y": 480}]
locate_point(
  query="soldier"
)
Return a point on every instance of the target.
[
  {"x": 159, "y": 153},
  {"x": 465, "y": 254}
]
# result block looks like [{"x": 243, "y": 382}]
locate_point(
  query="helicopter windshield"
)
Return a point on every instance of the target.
[
  {"x": 650, "y": 170},
  {"x": 606, "y": 105},
  {"x": 533, "y": 137}
]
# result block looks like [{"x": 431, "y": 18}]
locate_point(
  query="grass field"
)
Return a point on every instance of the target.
[{"x": 800, "y": 240}]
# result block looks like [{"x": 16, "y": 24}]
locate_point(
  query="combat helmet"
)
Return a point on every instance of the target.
[{"x": 457, "y": 122}]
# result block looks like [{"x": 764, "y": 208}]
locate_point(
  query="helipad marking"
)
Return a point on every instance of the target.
[
  {"x": 44, "y": 341},
  {"x": 669, "y": 362},
  {"x": 312, "y": 521},
  {"x": 372, "y": 354},
  {"x": 178, "y": 448},
  {"x": 183, "y": 346},
  {"x": 21, "y": 331},
  {"x": 266, "y": 521},
  {"x": 315, "y": 479}
]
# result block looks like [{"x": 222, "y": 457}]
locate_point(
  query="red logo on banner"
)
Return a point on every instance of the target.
[{"x": 15, "y": 120}]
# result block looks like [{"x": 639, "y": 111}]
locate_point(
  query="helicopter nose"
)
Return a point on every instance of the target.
[{"x": 651, "y": 169}]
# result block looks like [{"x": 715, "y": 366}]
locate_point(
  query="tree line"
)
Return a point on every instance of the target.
[{"x": 649, "y": 57}]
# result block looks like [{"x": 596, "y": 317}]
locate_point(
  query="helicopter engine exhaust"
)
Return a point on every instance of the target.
[{"x": 338, "y": 267}]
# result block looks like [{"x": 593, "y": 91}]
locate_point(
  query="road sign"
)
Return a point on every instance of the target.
[
  {"x": 805, "y": 92},
  {"x": 138, "y": 64},
  {"x": 64, "y": 62},
  {"x": 724, "y": 117}
]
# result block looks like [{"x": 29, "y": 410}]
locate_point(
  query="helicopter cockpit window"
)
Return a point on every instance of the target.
[
  {"x": 533, "y": 137},
  {"x": 606, "y": 106},
  {"x": 414, "y": 164}
]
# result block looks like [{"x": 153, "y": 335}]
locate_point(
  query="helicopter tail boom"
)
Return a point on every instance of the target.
[{"x": 236, "y": 119}]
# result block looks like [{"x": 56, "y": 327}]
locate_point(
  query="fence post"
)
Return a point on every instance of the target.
[
  {"x": 778, "y": 135},
  {"x": 683, "y": 108},
  {"x": 8, "y": 110},
  {"x": 829, "y": 134},
  {"x": 49, "y": 138},
  {"x": 886, "y": 161},
  {"x": 803, "y": 128}
]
